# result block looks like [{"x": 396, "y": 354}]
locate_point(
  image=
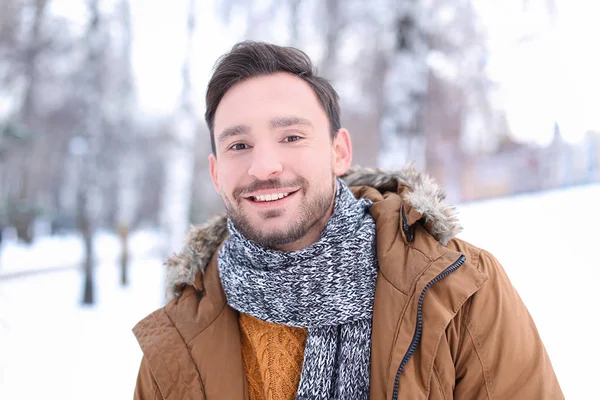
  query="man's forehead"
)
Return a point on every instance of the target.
[{"x": 274, "y": 100}]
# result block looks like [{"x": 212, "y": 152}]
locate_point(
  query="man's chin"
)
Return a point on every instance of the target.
[
  {"x": 273, "y": 219},
  {"x": 270, "y": 227},
  {"x": 271, "y": 233}
]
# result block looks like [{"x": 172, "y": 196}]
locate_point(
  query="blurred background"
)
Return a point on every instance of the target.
[{"x": 103, "y": 156}]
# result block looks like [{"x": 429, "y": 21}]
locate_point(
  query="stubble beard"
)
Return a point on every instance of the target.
[{"x": 310, "y": 213}]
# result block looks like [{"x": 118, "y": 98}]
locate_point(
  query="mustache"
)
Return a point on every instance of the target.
[{"x": 300, "y": 182}]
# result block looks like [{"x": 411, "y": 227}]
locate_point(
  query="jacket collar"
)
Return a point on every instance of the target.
[{"x": 423, "y": 201}]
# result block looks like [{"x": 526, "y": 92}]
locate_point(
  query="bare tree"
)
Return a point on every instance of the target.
[
  {"x": 30, "y": 63},
  {"x": 28, "y": 117},
  {"x": 334, "y": 31},
  {"x": 406, "y": 87},
  {"x": 180, "y": 156},
  {"x": 295, "y": 21},
  {"x": 127, "y": 197},
  {"x": 88, "y": 196},
  {"x": 34, "y": 47}
]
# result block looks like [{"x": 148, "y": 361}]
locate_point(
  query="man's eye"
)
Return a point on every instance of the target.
[
  {"x": 238, "y": 146},
  {"x": 292, "y": 138}
]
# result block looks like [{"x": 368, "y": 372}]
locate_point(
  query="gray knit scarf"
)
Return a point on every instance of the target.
[{"x": 328, "y": 287}]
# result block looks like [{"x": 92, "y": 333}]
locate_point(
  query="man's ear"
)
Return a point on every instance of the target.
[
  {"x": 212, "y": 164},
  {"x": 342, "y": 152}
]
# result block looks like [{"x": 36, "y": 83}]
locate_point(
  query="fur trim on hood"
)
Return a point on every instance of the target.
[{"x": 423, "y": 194}]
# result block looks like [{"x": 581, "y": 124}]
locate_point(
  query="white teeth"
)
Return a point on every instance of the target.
[{"x": 270, "y": 197}]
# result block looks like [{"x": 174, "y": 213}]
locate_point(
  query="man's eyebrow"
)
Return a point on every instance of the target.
[
  {"x": 235, "y": 130},
  {"x": 284, "y": 122}
]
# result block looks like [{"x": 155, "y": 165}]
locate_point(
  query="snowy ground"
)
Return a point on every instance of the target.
[
  {"x": 66, "y": 251},
  {"x": 547, "y": 244},
  {"x": 52, "y": 348}
]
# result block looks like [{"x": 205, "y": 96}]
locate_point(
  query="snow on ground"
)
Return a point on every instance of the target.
[
  {"x": 60, "y": 251},
  {"x": 547, "y": 244},
  {"x": 52, "y": 348}
]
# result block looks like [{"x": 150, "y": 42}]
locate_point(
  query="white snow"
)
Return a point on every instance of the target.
[
  {"x": 52, "y": 348},
  {"x": 67, "y": 251},
  {"x": 546, "y": 243}
]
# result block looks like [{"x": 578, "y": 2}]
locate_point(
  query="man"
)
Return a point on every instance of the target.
[{"x": 325, "y": 281}]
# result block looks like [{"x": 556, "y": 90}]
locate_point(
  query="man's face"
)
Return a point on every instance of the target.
[{"x": 275, "y": 163}]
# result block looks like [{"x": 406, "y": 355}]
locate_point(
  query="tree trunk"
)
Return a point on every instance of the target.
[
  {"x": 294, "y": 22},
  {"x": 333, "y": 34},
  {"x": 180, "y": 159},
  {"x": 402, "y": 131},
  {"x": 85, "y": 228},
  {"x": 28, "y": 119},
  {"x": 127, "y": 194},
  {"x": 89, "y": 201},
  {"x": 31, "y": 69},
  {"x": 124, "y": 261}
]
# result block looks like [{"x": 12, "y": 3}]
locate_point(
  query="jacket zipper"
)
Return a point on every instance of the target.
[{"x": 418, "y": 329}]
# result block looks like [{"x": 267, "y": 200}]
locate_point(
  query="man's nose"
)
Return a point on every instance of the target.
[{"x": 266, "y": 163}]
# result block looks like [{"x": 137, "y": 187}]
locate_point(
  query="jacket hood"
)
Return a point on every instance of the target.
[{"x": 420, "y": 192}]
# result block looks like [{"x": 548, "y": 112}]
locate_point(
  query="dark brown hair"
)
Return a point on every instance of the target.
[{"x": 251, "y": 59}]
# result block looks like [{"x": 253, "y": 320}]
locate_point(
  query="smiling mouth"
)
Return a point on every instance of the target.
[{"x": 265, "y": 198}]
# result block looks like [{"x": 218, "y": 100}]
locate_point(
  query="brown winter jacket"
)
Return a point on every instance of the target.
[{"x": 447, "y": 322}]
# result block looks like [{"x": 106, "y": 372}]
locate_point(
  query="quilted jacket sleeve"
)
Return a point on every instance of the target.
[
  {"x": 502, "y": 355},
  {"x": 145, "y": 386}
]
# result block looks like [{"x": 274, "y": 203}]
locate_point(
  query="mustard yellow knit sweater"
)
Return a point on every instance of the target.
[{"x": 273, "y": 356}]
